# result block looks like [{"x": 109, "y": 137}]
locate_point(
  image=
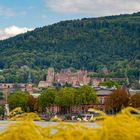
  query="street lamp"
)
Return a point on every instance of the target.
[{"x": 6, "y": 91}]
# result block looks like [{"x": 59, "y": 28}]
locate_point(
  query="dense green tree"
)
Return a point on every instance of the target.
[
  {"x": 85, "y": 95},
  {"x": 18, "y": 99},
  {"x": 68, "y": 97},
  {"x": 65, "y": 97},
  {"x": 47, "y": 98}
]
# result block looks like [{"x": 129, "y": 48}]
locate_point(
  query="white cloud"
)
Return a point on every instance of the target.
[
  {"x": 12, "y": 31},
  {"x": 93, "y": 7},
  {"x": 8, "y": 12}
]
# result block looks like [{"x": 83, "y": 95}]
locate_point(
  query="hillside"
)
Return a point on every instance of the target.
[{"x": 90, "y": 43}]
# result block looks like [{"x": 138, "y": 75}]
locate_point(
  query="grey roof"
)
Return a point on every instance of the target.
[
  {"x": 106, "y": 92},
  {"x": 103, "y": 92}
]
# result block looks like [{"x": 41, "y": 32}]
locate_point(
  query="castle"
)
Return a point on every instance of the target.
[{"x": 78, "y": 78}]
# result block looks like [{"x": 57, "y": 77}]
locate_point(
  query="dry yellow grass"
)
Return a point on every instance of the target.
[{"x": 123, "y": 126}]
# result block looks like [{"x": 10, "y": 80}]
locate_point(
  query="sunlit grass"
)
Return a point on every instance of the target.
[{"x": 123, "y": 126}]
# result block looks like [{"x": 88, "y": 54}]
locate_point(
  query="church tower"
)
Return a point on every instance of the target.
[{"x": 29, "y": 87}]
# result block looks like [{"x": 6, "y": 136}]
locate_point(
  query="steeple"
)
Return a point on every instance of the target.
[
  {"x": 29, "y": 87},
  {"x": 29, "y": 78}
]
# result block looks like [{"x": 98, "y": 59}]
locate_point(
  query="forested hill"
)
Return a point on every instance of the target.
[{"x": 90, "y": 43}]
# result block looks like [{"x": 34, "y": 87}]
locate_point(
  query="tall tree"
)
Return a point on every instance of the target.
[
  {"x": 116, "y": 100},
  {"x": 47, "y": 98},
  {"x": 65, "y": 97},
  {"x": 18, "y": 99},
  {"x": 85, "y": 95},
  {"x": 135, "y": 100},
  {"x": 31, "y": 102}
]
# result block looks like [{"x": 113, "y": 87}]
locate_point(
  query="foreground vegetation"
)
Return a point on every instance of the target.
[{"x": 123, "y": 126}]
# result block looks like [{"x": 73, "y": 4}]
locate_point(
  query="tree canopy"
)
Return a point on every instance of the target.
[
  {"x": 67, "y": 97},
  {"x": 135, "y": 100},
  {"x": 109, "y": 84},
  {"x": 18, "y": 99},
  {"x": 118, "y": 99},
  {"x": 47, "y": 98},
  {"x": 85, "y": 95}
]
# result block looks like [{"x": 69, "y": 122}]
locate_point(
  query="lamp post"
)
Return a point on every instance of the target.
[{"x": 6, "y": 91}]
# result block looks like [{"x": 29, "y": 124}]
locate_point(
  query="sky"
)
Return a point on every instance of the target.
[{"x": 20, "y": 16}]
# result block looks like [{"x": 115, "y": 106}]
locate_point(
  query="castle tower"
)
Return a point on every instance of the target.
[
  {"x": 51, "y": 75},
  {"x": 105, "y": 71}
]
